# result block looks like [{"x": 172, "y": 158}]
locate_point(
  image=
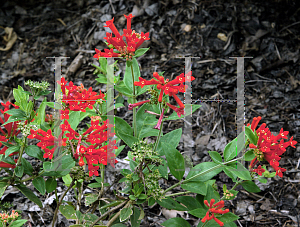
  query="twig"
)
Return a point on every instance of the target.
[
  {"x": 108, "y": 212},
  {"x": 289, "y": 26},
  {"x": 60, "y": 202}
]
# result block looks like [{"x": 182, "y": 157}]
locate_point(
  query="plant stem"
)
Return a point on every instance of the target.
[
  {"x": 117, "y": 215},
  {"x": 29, "y": 178},
  {"x": 134, "y": 109},
  {"x": 60, "y": 202},
  {"x": 201, "y": 173},
  {"x": 108, "y": 212},
  {"x": 179, "y": 193},
  {"x": 20, "y": 156},
  {"x": 159, "y": 134}
]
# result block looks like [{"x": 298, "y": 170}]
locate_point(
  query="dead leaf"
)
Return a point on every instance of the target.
[
  {"x": 203, "y": 140},
  {"x": 222, "y": 37},
  {"x": 10, "y": 38},
  {"x": 171, "y": 213}
]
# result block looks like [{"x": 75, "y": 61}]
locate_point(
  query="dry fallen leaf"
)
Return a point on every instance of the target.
[
  {"x": 171, "y": 213},
  {"x": 10, "y": 38},
  {"x": 222, "y": 36}
]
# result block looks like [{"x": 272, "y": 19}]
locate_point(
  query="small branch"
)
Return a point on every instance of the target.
[
  {"x": 111, "y": 221},
  {"x": 60, "y": 202},
  {"x": 179, "y": 193},
  {"x": 108, "y": 212}
]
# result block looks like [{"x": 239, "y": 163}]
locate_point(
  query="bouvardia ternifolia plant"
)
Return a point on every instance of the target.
[{"x": 79, "y": 155}]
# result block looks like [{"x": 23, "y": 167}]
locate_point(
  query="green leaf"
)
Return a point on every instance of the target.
[
  {"x": 41, "y": 112},
  {"x": 95, "y": 185},
  {"x": 68, "y": 211},
  {"x": 11, "y": 150},
  {"x": 74, "y": 118},
  {"x": 201, "y": 168},
  {"x": 8, "y": 160},
  {"x": 119, "y": 150},
  {"x": 17, "y": 113},
  {"x": 91, "y": 198},
  {"x": 140, "y": 52},
  {"x": 172, "y": 138},
  {"x": 20, "y": 97},
  {"x": 199, "y": 213},
  {"x": 163, "y": 170},
  {"x": 125, "y": 213},
  {"x": 67, "y": 179},
  {"x": 101, "y": 78},
  {"x": 228, "y": 217},
  {"x": 174, "y": 115},
  {"x": 112, "y": 204},
  {"x": 27, "y": 166},
  {"x": 50, "y": 104},
  {"x": 128, "y": 74},
  {"x": 18, "y": 223},
  {"x": 190, "y": 202},
  {"x": 175, "y": 161},
  {"x": 151, "y": 201},
  {"x": 176, "y": 222},
  {"x": 3, "y": 186},
  {"x": 128, "y": 139},
  {"x": 239, "y": 171},
  {"x": 29, "y": 194},
  {"x": 39, "y": 184},
  {"x": 263, "y": 180},
  {"x": 195, "y": 186},
  {"x": 51, "y": 184},
  {"x": 250, "y": 186},
  {"x": 145, "y": 123},
  {"x": 171, "y": 204},
  {"x": 34, "y": 151},
  {"x": 122, "y": 126},
  {"x": 134, "y": 219},
  {"x": 211, "y": 193},
  {"x": 230, "y": 174},
  {"x": 251, "y": 136},
  {"x": 123, "y": 89},
  {"x": 233, "y": 148},
  {"x": 215, "y": 156},
  {"x": 19, "y": 170},
  {"x": 249, "y": 155}
]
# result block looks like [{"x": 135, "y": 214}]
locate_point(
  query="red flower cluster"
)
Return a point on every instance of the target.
[
  {"x": 214, "y": 209},
  {"x": 11, "y": 130},
  {"x": 167, "y": 87},
  {"x": 133, "y": 40},
  {"x": 77, "y": 98},
  {"x": 48, "y": 142},
  {"x": 95, "y": 153},
  {"x": 268, "y": 147}
]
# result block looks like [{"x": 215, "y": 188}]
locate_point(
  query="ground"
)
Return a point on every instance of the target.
[{"x": 213, "y": 31}]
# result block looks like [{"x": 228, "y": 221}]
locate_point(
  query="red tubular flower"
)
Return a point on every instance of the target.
[
  {"x": 160, "y": 119},
  {"x": 110, "y": 24},
  {"x": 131, "y": 106},
  {"x": 214, "y": 209},
  {"x": 125, "y": 50},
  {"x": 179, "y": 111},
  {"x": 129, "y": 17},
  {"x": 7, "y": 165},
  {"x": 268, "y": 148}
]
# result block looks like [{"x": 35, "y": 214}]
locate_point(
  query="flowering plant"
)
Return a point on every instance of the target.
[{"x": 79, "y": 155}]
